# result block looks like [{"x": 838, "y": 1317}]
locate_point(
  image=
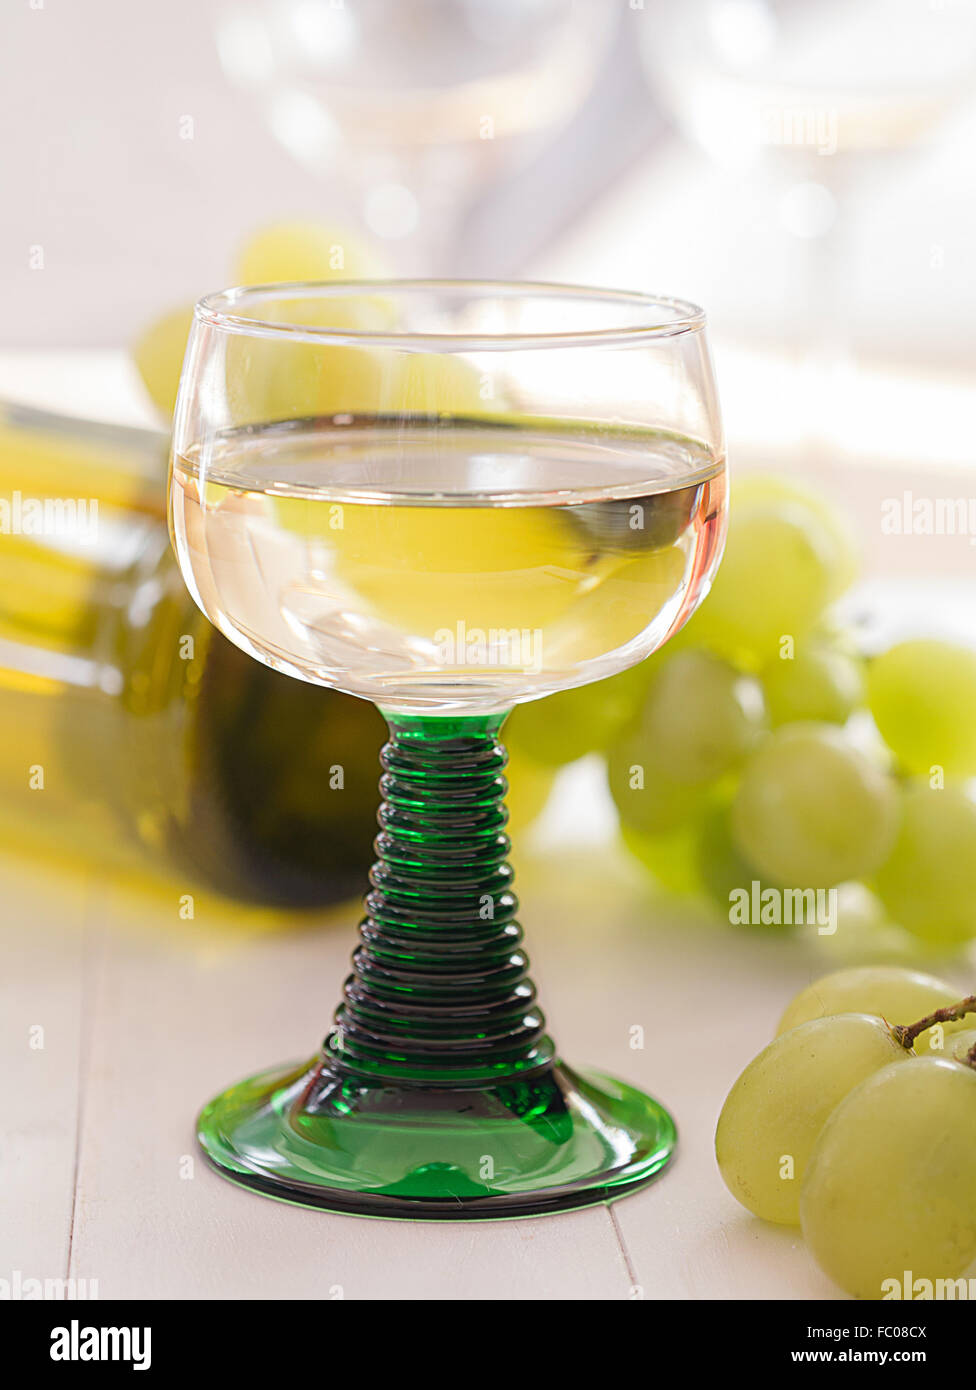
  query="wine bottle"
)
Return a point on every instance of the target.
[{"x": 134, "y": 732}]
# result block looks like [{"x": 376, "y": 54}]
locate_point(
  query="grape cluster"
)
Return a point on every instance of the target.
[
  {"x": 760, "y": 747},
  {"x": 861, "y": 1131}
]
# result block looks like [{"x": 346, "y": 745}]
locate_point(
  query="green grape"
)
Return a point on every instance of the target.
[
  {"x": 820, "y": 683},
  {"x": 271, "y": 380},
  {"x": 672, "y": 859},
  {"x": 158, "y": 355},
  {"x": 926, "y": 883},
  {"x": 529, "y": 785},
  {"x": 834, "y": 632},
  {"x": 723, "y": 870},
  {"x": 922, "y": 695},
  {"x": 959, "y": 1045},
  {"x": 502, "y": 567},
  {"x": 647, "y": 798},
  {"x": 942, "y": 1039},
  {"x": 701, "y": 717},
  {"x": 639, "y": 582},
  {"x": 304, "y": 251},
  {"x": 893, "y": 992},
  {"x": 890, "y": 1188},
  {"x": 812, "y": 810},
  {"x": 774, "y": 1113},
  {"x": 436, "y": 383},
  {"x": 765, "y": 487},
  {"x": 775, "y": 581},
  {"x": 864, "y": 934},
  {"x": 588, "y": 719},
  {"x": 267, "y": 380}
]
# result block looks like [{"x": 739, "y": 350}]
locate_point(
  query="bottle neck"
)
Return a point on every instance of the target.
[{"x": 440, "y": 994}]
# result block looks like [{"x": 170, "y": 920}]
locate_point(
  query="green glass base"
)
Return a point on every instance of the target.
[{"x": 548, "y": 1142}]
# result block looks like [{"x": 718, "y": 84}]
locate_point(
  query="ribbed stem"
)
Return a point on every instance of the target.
[{"x": 439, "y": 994}]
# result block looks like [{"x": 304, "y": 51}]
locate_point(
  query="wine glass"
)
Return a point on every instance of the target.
[
  {"x": 413, "y": 105},
  {"x": 823, "y": 93},
  {"x": 446, "y": 497}
]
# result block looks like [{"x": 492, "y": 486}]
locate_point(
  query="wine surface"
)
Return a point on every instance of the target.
[{"x": 455, "y": 569}]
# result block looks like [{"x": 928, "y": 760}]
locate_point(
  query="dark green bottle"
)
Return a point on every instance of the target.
[{"x": 133, "y": 732}]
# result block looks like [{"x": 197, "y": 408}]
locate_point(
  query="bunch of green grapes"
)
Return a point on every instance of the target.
[
  {"x": 858, "y": 1123},
  {"x": 760, "y": 753}
]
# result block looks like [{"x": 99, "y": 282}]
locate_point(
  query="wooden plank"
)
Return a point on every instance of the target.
[{"x": 42, "y": 979}]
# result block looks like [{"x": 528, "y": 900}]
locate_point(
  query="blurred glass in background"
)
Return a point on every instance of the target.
[
  {"x": 820, "y": 98},
  {"x": 414, "y": 106}
]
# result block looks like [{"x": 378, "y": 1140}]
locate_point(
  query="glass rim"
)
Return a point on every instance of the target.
[{"x": 221, "y": 311}]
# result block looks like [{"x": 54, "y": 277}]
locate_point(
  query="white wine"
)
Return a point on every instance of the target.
[{"x": 453, "y": 569}]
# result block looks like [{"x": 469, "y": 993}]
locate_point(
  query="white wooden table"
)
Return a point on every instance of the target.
[{"x": 145, "y": 1016}]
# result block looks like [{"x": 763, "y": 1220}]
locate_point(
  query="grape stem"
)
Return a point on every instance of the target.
[{"x": 907, "y": 1033}]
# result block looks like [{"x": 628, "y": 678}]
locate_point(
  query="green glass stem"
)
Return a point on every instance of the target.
[
  {"x": 437, "y": 1093},
  {"x": 440, "y": 993}
]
